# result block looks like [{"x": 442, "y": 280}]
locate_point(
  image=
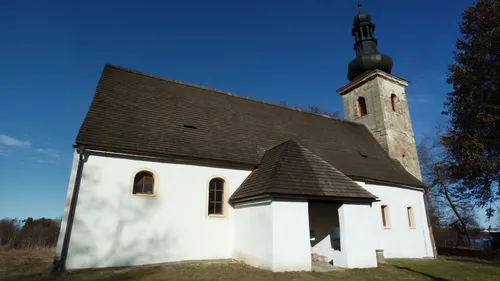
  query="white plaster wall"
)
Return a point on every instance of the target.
[
  {"x": 357, "y": 236},
  {"x": 273, "y": 235},
  {"x": 67, "y": 204},
  {"x": 112, "y": 227},
  {"x": 400, "y": 241},
  {"x": 291, "y": 248},
  {"x": 253, "y": 234}
]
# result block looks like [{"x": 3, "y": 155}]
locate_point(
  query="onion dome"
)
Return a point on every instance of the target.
[{"x": 367, "y": 56}]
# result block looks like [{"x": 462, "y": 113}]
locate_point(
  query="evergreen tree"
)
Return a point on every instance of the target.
[{"x": 473, "y": 139}]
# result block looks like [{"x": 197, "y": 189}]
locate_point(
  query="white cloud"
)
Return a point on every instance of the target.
[
  {"x": 10, "y": 141},
  {"x": 47, "y": 155},
  {"x": 41, "y": 150},
  {"x": 52, "y": 155},
  {"x": 53, "y": 152}
]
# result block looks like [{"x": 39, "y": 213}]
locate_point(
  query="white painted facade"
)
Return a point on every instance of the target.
[
  {"x": 349, "y": 234},
  {"x": 273, "y": 235},
  {"x": 291, "y": 248},
  {"x": 400, "y": 240},
  {"x": 253, "y": 234},
  {"x": 356, "y": 243},
  {"x": 113, "y": 227}
]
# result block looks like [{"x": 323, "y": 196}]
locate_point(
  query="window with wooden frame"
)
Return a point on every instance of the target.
[
  {"x": 385, "y": 216},
  {"x": 362, "y": 106},
  {"x": 143, "y": 183},
  {"x": 216, "y": 197},
  {"x": 393, "y": 102},
  {"x": 411, "y": 218}
]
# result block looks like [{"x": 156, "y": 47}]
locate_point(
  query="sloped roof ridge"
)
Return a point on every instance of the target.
[
  {"x": 306, "y": 150},
  {"x": 287, "y": 145},
  {"x": 279, "y": 163},
  {"x": 225, "y": 92}
]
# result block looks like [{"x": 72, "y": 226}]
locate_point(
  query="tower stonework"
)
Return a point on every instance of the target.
[{"x": 377, "y": 99}]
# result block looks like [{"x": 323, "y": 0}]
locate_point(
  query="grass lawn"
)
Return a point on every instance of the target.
[{"x": 36, "y": 265}]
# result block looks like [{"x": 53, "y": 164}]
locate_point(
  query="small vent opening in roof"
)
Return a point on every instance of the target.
[
  {"x": 190, "y": 127},
  {"x": 363, "y": 154}
]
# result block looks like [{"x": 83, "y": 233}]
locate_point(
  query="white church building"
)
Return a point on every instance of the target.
[{"x": 167, "y": 171}]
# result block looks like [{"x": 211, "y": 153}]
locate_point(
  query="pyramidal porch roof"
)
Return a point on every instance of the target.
[{"x": 291, "y": 171}]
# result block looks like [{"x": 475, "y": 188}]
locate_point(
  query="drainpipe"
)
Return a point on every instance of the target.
[{"x": 60, "y": 262}]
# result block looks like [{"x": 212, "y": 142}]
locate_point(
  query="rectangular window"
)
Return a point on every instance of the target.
[
  {"x": 411, "y": 218},
  {"x": 385, "y": 216}
]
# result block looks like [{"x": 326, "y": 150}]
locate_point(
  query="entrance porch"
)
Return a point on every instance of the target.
[
  {"x": 343, "y": 233},
  {"x": 275, "y": 234}
]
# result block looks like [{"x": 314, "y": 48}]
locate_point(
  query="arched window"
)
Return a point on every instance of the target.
[
  {"x": 393, "y": 102},
  {"x": 144, "y": 183},
  {"x": 362, "y": 106},
  {"x": 216, "y": 197}
]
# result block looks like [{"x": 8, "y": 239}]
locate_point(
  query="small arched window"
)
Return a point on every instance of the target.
[
  {"x": 144, "y": 183},
  {"x": 393, "y": 102},
  {"x": 216, "y": 197},
  {"x": 362, "y": 106}
]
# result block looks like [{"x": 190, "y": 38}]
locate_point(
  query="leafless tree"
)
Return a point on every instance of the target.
[
  {"x": 315, "y": 109},
  {"x": 443, "y": 190}
]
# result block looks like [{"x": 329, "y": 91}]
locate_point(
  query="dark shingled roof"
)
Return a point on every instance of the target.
[
  {"x": 142, "y": 114},
  {"x": 290, "y": 170}
]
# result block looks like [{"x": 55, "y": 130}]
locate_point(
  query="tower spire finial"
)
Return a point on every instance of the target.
[{"x": 367, "y": 56}]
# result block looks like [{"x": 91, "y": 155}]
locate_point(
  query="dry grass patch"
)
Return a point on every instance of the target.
[{"x": 36, "y": 265}]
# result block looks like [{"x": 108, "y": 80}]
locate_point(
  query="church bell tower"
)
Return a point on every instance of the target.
[{"x": 376, "y": 98}]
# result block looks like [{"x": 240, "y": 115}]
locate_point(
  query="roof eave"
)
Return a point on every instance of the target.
[
  {"x": 301, "y": 197},
  {"x": 385, "y": 182},
  {"x": 369, "y": 76},
  {"x": 127, "y": 153}
]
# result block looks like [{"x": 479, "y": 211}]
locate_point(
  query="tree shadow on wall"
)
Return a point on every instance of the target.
[{"x": 119, "y": 223}]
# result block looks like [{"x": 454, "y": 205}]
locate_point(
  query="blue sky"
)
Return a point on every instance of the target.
[{"x": 295, "y": 51}]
